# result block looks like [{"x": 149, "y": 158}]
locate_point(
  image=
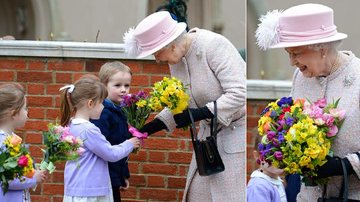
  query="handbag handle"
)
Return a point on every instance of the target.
[
  {"x": 345, "y": 184},
  {"x": 213, "y": 130}
]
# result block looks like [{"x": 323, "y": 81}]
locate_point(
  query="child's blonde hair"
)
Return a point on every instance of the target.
[
  {"x": 12, "y": 99},
  {"x": 86, "y": 88},
  {"x": 110, "y": 68}
]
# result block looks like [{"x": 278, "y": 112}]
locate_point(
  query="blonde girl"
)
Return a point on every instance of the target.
[
  {"x": 13, "y": 115},
  {"x": 88, "y": 179}
]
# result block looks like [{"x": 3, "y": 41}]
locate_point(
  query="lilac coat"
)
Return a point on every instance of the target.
[
  {"x": 89, "y": 176},
  {"x": 16, "y": 188}
]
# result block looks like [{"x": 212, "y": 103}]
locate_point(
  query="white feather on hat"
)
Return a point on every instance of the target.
[
  {"x": 131, "y": 44},
  {"x": 267, "y": 32}
]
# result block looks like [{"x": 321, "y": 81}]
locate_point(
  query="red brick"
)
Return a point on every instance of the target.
[
  {"x": 7, "y": 75},
  {"x": 134, "y": 66},
  {"x": 158, "y": 194},
  {"x": 141, "y": 80},
  {"x": 134, "y": 167},
  {"x": 57, "y": 199},
  {"x": 41, "y": 77},
  {"x": 33, "y": 138},
  {"x": 35, "y": 89},
  {"x": 77, "y": 76},
  {"x": 137, "y": 180},
  {"x": 36, "y": 125},
  {"x": 180, "y": 157},
  {"x": 156, "y": 156},
  {"x": 57, "y": 177},
  {"x": 152, "y": 68},
  {"x": 183, "y": 169},
  {"x": 53, "y": 89},
  {"x": 36, "y": 113},
  {"x": 252, "y": 122},
  {"x": 154, "y": 79},
  {"x": 40, "y": 101},
  {"x": 161, "y": 143},
  {"x": 35, "y": 151},
  {"x": 63, "y": 78},
  {"x": 12, "y": 64},
  {"x": 181, "y": 133},
  {"x": 155, "y": 181},
  {"x": 53, "y": 114},
  {"x": 176, "y": 182},
  {"x": 69, "y": 65},
  {"x": 37, "y": 65},
  {"x": 94, "y": 65},
  {"x": 139, "y": 156},
  {"x": 53, "y": 189},
  {"x": 129, "y": 193},
  {"x": 40, "y": 198},
  {"x": 159, "y": 169}
]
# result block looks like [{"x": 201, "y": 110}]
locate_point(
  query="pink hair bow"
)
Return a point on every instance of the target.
[{"x": 138, "y": 134}]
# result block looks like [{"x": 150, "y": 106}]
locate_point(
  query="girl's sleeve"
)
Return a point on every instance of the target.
[
  {"x": 103, "y": 123},
  {"x": 21, "y": 185},
  {"x": 96, "y": 142},
  {"x": 258, "y": 192}
]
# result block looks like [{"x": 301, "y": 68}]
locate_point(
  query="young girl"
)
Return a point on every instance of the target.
[
  {"x": 112, "y": 123},
  {"x": 13, "y": 115},
  {"x": 265, "y": 183},
  {"x": 88, "y": 178}
]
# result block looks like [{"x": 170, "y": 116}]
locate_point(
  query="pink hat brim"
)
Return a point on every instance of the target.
[
  {"x": 180, "y": 28},
  {"x": 336, "y": 37}
]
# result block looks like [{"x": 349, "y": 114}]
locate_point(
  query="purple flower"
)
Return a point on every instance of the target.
[
  {"x": 271, "y": 135},
  {"x": 278, "y": 155},
  {"x": 264, "y": 111},
  {"x": 287, "y": 101},
  {"x": 281, "y": 137},
  {"x": 289, "y": 121},
  {"x": 260, "y": 147}
]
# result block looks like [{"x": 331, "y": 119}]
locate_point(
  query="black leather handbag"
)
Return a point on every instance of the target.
[
  {"x": 343, "y": 196},
  {"x": 208, "y": 159}
]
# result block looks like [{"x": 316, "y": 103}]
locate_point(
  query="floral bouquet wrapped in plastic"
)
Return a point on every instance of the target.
[
  {"x": 297, "y": 135},
  {"x": 136, "y": 108},
  {"x": 170, "y": 93},
  {"x": 60, "y": 146},
  {"x": 15, "y": 161}
]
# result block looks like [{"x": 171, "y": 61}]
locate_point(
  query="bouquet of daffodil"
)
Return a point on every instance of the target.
[
  {"x": 60, "y": 145},
  {"x": 297, "y": 135},
  {"x": 170, "y": 93},
  {"x": 15, "y": 161}
]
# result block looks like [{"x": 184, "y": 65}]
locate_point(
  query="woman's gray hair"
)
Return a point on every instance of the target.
[
  {"x": 177, "y": 40},
  {"x": 332, "y": 46}
]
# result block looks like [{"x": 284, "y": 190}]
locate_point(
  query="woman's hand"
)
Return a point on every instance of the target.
[{"x": 183, "y": 119}]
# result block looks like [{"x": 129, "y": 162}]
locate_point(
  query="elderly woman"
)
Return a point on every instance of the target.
[
  {"x": 310, "y": 38},
  {"x": 214, "y": 70}
]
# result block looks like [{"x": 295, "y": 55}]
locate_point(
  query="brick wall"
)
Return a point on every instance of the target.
[{"x": 158, "y": 171}]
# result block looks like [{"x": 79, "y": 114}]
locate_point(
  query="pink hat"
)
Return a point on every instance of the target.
[
  {"x": 151, "y": 34},
  {"x": 297, "y": 26}
]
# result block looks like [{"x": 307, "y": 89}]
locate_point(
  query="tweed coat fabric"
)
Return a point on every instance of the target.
[
  {"x": 344, "y": 83},
  {"x": 214, "y": 70}
]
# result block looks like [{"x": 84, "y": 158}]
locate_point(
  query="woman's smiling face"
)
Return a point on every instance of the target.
[{"x": 309, "y": 61}]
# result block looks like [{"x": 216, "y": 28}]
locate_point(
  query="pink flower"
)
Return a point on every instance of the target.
[
  {"x": 337, "y": 113},
  {"x": 329, "y": 119},
  {"x": 23, "y": 161},
  {"x": 278, "y": 155},
  {"x": 320, "y": 103},
  {"x": 80, "y": 151},
  {"x": 333, "y": 130}
]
